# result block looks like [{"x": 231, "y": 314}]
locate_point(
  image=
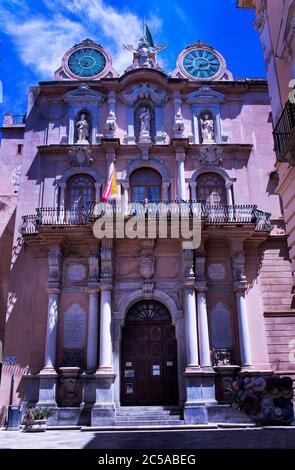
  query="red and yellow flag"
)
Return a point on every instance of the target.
[{"x": 111, "y": 188}]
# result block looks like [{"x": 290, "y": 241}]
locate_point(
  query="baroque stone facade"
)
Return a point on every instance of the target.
[{"x": 128, "y": 320}]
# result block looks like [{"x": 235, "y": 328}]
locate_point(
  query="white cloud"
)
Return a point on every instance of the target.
[{"x": 42, "y": 37}]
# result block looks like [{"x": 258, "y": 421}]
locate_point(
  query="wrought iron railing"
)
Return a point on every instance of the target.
[
  {"x": 283, "y": 129},
  {"x": 215, "y": 215}
]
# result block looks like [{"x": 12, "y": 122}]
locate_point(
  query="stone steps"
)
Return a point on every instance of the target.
[{"x": 149, "y": 416}]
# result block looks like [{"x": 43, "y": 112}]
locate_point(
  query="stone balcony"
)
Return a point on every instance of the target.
[
  {"x": 284, "y": 135},
  {"x": 219, "y": 215}
]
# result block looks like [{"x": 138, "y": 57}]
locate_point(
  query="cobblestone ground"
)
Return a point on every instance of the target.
[{"x": 259, "y": 438}]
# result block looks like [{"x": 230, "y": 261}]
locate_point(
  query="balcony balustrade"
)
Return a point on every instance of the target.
[
  {"x": 210, "y": 215},
  {"x": 284, "y": 130}
]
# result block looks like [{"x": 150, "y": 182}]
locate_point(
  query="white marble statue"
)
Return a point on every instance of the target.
[
  {"x": 207, "y": 129},
  {"x": 82, "y": 130},
  {"x": 178, "y": 126},
  {"x": 144, "y": 51},
  {"x": 111, "y": 124},
  {"x": 145, "y": 121}
]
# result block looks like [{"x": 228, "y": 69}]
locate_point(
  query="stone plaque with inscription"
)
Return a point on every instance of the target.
[
  {"x": 216, "y": 272},
  {"x": 221, "y": 326},
  {"x": 74, "y": 327}
]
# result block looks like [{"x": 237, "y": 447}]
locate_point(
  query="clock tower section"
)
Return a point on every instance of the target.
[
  {"x": 86, "y": 61},
  {"x": 199, "y": 61}
]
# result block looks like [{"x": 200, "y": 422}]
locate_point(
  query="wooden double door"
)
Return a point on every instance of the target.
[{"x": 149, "y": 363}]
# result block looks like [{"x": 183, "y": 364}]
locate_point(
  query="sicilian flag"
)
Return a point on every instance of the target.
[
  {"x": 147, "y": 35},
  {"x": 111, "y": 188}
]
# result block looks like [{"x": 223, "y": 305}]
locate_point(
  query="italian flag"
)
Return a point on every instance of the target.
[{"x": 111, "y": 188}]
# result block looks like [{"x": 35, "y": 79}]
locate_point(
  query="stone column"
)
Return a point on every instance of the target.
[
  {"x": 203, "y": 329},
  {"x": 92, "y": 337},
  {"x": 229, "y": 200},
  {"x": 240, "y": 286},
  {"x": 51, "y": 332},
  {"x": 125, "y": 185},
  {"x": 191, "y": 327},
  {"x": 200, "y": 381},
  {"x": 229, "y": 196},
  {"x": 104, "y": 410},
  {"x": 106, "y": 349},
  {"x": 48, "y": 375},
  {"x": 180, "y": 157},
  {"x": 244, "y": 337}
]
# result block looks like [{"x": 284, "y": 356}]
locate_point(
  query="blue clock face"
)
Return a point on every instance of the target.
[
  {"x": 201, "y": 63},
  {"x": 86, "y": 62}
]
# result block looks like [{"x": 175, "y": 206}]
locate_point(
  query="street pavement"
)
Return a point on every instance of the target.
[{"x": 251, "y": 438}]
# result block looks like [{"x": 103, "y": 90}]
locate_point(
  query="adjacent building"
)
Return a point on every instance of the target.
[{"x": 94, "y": 326}]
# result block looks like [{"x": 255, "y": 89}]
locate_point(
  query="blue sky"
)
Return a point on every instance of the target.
[{"x": 36, "y": 34}]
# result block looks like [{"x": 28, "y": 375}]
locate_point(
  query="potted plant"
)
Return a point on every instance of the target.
[{"x": 35, "y": 419}]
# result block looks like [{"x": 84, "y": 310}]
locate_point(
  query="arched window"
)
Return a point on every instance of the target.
[
  {"x": 137, "y": 120},
  {"x": 80, "y": 191},
  {"x": 211, "y": 188},
  {"x": 146, "y": 185},
  {"x": 148, "y": 310}
]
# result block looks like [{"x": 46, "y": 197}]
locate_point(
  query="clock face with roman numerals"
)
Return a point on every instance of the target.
[
  {"x": 86, "y": 62},
  {"x": 201, "y": 63}
]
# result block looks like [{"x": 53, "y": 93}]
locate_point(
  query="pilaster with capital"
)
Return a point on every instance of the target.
[{"x": 180, "y": 158}]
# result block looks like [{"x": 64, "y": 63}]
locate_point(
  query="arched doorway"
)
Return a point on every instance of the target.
[{"x": 148, "y": 356}]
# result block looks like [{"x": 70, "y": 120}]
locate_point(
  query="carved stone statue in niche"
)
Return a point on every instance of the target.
[
  {"x": 82, "y": 130},
  {"x": 207, "y": 130},
  {"x": 145, "y": 121}
]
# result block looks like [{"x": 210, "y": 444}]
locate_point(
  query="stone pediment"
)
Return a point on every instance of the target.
[
  {"x": 83, "y": 94},
  {"x": 205, "y": 94}
]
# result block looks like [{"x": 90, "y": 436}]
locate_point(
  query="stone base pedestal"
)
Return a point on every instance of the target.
[
  {"x": 69, "y": 392},
  {"x": 31, "y": 395},
  {"x": 200, "y": 392},
  {"x": 69, "y": 416},
  {"x": 47, "y": 388},
  {"x": 104, "y": 410},
  {"x": 225, "y": 375}
]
